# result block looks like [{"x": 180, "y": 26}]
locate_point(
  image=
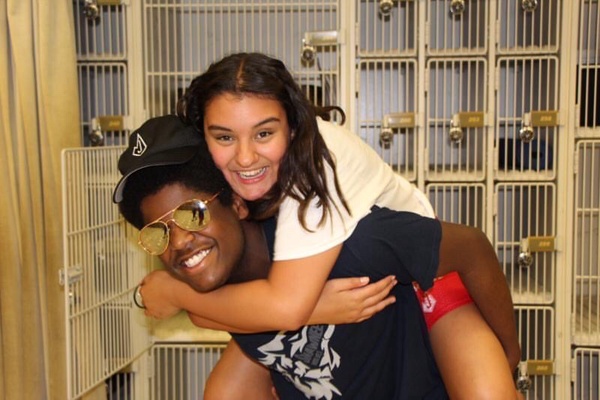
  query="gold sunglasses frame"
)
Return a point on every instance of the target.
[{"x": 166, "y": 223}]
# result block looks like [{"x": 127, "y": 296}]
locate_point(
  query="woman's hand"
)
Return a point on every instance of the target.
[
  {"x": 156, "y": 291},
  {"x": 350, "y": 300}
]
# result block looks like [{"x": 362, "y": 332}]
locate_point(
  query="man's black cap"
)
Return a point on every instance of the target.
[{"x": 163, "y": 140}]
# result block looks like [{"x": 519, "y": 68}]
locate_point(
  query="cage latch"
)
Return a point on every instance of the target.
[
  {"x": 314, "y": 39},
  {"x": 394, "y": 121},
  {"x": 534, "y": 244},
  {"x": 529, "y": 368},
  {"x": 70, "y": 275}
]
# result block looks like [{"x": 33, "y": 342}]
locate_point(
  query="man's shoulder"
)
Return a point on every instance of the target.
[{"x": 385, "y": 218}]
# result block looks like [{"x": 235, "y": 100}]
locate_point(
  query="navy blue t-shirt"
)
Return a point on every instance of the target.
[{"x": 385, "y": 357}]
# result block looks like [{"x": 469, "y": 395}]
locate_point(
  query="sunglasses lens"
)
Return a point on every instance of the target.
[
  {"x": 154, "y": 238},
  {"x": 192, "y": 215}
]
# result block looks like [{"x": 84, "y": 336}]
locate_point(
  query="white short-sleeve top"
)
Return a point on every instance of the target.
[{"x": 365, "y": 180}]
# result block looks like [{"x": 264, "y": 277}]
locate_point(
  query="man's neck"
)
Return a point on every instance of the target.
[{"x": 256, "y": 261}]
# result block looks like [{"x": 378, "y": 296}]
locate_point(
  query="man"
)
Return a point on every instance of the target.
[{"x": 192, "y": 220}]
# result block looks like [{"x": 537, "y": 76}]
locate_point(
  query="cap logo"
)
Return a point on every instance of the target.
[{"x": 140, "y": 146}]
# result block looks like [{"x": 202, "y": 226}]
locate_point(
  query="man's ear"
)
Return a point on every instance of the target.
[{"x": 240, "y": 207}]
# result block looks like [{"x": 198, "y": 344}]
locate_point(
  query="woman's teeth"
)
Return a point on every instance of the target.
[
  {"x": 196, "y": 259},
  {"x": 252, "y": 174}
]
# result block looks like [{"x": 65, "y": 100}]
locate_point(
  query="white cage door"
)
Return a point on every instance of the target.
[
  {"x": 387, "y": 104},
  {"x": 102, "y": 65},
  {"x": 181, "y": 369},
  {"x": 587, "y": 373},
  {"x": 528, "y": 26},
  {"x": 387, "y": 28},
  {"x": 104, "y": 330},
  {"x": 183, "y": 37},
  {"x": 535, "y": 327},
  {"x": 456, "y": 138},
  {"x": 527, "y": 118},
  {"x": 457, "y": 27},
  {"x": 525, "y": 230},
  {"x": 459, "y": 203},
  {"x": 586, "y": 244}
]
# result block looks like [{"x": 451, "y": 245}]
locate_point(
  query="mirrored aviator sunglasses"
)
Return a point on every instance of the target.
[{"x": 191, "y": 215}]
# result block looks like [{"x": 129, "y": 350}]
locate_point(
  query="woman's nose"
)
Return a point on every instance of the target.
[{"x": 246, "y": 155}]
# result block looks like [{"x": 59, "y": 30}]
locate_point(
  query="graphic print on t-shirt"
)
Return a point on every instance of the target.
[{"x": 305, "y": 359}]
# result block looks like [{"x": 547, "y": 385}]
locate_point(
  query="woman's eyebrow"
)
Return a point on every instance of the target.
[{"x": 263, "y": 122}]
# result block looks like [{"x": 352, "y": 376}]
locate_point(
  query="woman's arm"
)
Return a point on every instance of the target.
[
  {"x": 469, "y": 252},
  {"x": 351, "y": 300},
  {"x": 283, "y": 301},
  {"x": 342, "y": 301}
]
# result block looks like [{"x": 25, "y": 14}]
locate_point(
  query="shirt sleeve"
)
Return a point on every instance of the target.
[{"x": 365, "y": 180}]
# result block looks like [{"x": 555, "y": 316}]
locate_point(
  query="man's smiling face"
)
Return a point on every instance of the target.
[{"x": 204, "y": 259}]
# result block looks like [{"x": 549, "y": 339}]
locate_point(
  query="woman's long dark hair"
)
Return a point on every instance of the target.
[{"x": 302, "y": 171}]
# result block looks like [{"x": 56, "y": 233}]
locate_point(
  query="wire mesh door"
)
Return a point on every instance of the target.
[
  {"x": 104, "y": 330},
  {"x": 183, "y": 37},
  {"x": 459, "y": 203},
  {"x": 587, "y": 369},
  {"x": 586, "y": 293},
  {"x": 527, "y": 118},
  {"x": 456, "y": 130},
  {"x": 525, "y": 232},
  {"x": 588, "y": 66},
  {"x": 102, "y": 64},
  {"x": 537, "y": 339},
  {"x": 527, "y": 26},
  {"x": 585, "y": 304},
  {"x": 182, "y": 369},
  {"x": 457, "y": 27},
  {"x": 387, "y": 104}
]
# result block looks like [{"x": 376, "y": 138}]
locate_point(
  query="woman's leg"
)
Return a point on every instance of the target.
[{"x": 236, "y": 376}]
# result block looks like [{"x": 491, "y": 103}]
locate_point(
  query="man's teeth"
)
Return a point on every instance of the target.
[
  {"x": 251, "y": 174},
  {"x": 196, "y": 259}
]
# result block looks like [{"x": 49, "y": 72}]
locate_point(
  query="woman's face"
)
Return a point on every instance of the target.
[{"x": 247, "y": 137}]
